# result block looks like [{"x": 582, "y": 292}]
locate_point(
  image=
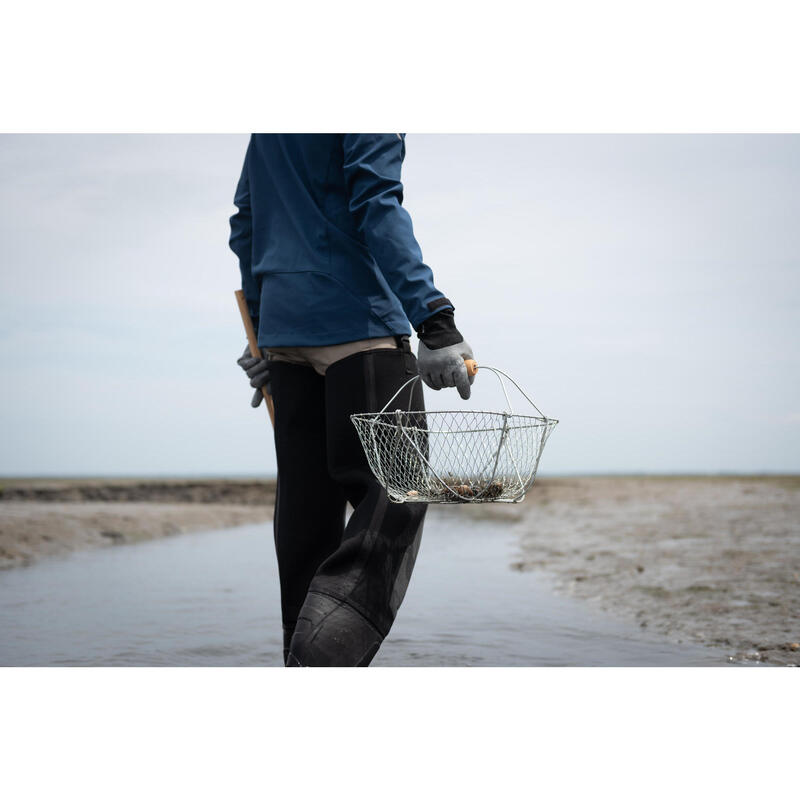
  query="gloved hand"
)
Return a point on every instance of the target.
[
  {"x": 257, "y": 370},
  {"x": 441, "y": 354}
]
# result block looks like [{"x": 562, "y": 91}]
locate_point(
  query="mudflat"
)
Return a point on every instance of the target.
[
  {"x": 41, "y": 518},
  {"x": 714, "y": 560}
]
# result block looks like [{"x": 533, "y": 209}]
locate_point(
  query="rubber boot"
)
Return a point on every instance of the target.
[{"x": 330, "y": 633}]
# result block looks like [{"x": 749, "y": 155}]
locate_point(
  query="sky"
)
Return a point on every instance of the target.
[{"x": 644, "y": 290}]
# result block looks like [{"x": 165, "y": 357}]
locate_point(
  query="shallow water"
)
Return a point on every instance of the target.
[{"x": 211, "y": 599}]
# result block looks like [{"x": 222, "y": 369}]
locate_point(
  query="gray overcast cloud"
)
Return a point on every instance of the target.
[{"x": 644, "y": 289}]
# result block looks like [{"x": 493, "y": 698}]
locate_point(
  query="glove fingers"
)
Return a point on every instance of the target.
[
  {"x": 244, "y": 356},
  {"x": 466, "y": 352},
  {"x": 444, "y": 367},
  {"x": 461, "y": 381},
  {"x": 259, "y": 373},
  {"x": 246, "y": 361},
  {"x": 257, "y": 398},
  {"x": 432, "y": 381}
]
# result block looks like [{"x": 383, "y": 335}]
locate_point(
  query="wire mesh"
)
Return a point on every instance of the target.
[{"x": 453, "y": 456}]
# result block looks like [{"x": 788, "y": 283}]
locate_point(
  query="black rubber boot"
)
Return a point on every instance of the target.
[{"x": 331, "y": 633}]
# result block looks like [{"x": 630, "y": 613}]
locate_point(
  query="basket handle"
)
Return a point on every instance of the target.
[
  {"x": 500, "y": 375},
  {"x": 472, "y": 369}
]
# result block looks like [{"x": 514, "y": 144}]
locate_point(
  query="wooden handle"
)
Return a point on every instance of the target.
[
  {"x": 255, "y": 351},
  {"x": 472, "y": 366}
]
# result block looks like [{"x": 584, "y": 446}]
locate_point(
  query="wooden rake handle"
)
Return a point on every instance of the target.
[{"x": 255, "y": 351}]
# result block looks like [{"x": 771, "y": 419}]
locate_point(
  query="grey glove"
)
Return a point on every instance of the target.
[
  {"x": 257, "y": 370},
  {"x": 441, "y": 354}
]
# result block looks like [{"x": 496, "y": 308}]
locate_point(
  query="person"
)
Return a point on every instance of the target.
[{"x": 332, "y": 276}]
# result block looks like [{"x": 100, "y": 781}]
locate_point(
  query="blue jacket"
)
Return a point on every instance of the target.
[{"x": 326, "y": 250}]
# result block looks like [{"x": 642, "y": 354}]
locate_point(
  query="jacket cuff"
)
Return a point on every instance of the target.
[
  {"x": 440, "y": 330},
  {"x": 434, "y": 307}
]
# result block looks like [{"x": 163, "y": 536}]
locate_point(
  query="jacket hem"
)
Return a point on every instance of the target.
[{"x": 329, "y": 338}]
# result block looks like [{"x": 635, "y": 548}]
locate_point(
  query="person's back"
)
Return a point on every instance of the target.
[{"x": 328, "y": 253}]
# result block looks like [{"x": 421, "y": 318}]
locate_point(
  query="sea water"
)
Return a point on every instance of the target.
[{"x": 211, "y": 599}]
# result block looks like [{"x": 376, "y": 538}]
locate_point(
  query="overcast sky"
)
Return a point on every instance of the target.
[{"x": 644, "y": 290}]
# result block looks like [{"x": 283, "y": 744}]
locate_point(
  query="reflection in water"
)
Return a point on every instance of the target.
[{"x": 211, "y": 599}]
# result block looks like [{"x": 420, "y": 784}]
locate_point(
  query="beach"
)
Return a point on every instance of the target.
[
  {"x": 703, "y": 560},
  {"x": 713, "y": 560},
  {"x": 43, "y": 518}
]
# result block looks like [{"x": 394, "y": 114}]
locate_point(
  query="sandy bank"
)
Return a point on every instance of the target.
[
  {"x": 711, "y": 560},
  {"x": 131, "y": 490},
  {"x": 51, "y": 518}
]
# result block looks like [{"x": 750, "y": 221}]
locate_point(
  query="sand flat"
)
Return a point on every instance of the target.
[
  {"x": 53, "y": 517},
  {"x": 33, "y": 530},
  {"x": 714, "y": 560}
]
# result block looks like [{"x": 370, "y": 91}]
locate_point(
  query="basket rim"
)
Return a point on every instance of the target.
[{"x": 378, "y": 417}]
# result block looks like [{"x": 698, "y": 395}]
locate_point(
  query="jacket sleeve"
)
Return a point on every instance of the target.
[
  {"x": 372, "y": 165},
  {"x": 241, "y": 242}
]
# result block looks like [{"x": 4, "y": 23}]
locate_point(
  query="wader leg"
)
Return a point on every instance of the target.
[
  {"x": 309, "y": 505},
  {"x": 357, "y": 590}
]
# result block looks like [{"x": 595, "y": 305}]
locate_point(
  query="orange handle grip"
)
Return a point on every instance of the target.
[{"x": 472, "y": 366}]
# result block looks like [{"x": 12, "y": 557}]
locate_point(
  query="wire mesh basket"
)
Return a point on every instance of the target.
[{"x": 454, "y": 456}]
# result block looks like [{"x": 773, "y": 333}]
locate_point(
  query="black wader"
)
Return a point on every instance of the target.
[{"x": 341, "y": 585}]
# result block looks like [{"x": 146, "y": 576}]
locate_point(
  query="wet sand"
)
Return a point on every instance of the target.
[
  {"x": 42, "y": 518},
  {"x": 711, "y": 560},
  {"x": 714, "y": 560}
]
